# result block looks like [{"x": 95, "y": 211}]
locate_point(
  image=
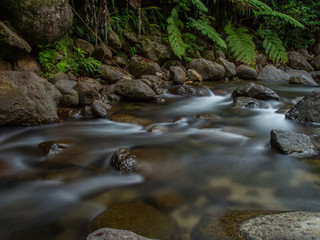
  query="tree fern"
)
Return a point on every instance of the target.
[
  {"x": 273, "y": 46},
  {"x": 208, "y": 31},
  {"x": 200, "y": 6},
  {"x": 240, "y": 44}
]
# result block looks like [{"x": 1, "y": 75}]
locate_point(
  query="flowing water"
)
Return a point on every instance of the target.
[{"x": 198, "y": 166}]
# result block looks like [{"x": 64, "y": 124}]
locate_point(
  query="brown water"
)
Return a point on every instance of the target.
[{"x": 205, "y": 166}]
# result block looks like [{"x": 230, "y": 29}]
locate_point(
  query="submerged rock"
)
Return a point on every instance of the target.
[
  {"x": 189, "y": 91},
  {"x": 248, "y": 103},
  {"x": 114, "y": 234},
  {"x": 124, "y": 118},
  {"x": 125, "y": 161},
  {"x": 207, "y": 69},
  {"x": 256, "y": 91}
]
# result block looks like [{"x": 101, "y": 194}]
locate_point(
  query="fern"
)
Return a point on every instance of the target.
[
  {"x": 240, "y": 44},
  {"x": 273, "y": 46},
  {"x": 208, "y": 31},
  {"x": 200, "y": 6}
]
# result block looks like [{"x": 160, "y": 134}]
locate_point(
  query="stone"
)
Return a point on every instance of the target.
[
  {"x": 39, "y": 22},
  {"x": 134, "y": 90},
  {"x": 60, "y": 76},
  {"x": 256, "y": 91},
  {"x": 88, "y": 90},
  {"x": 298, "y": 62},
  {"x": 173, "y": 63},
  {"x": 11, "y": 43},
  {"x": 102, "y": 52},
  {"x": 5, "y": 66},
  {"x": 125, "y": 161},
  {"x": 209, "y": 55},
  {"x": 27, "y": 100},
  {"x": 248, "y": 103},
  {"x": 27, "y": 64},
  {"x": 140, "y": 218},
  {"x": 125, "y": 118},
  {"x": 317, "y": 49},
  {"x": 307, "y": 109},
  {"x": 261, "y": 61},
  {"x": 302, "y": 77},
  {"x": 84, "y": 45},
  {"x": 139, "y": 66},
  {"x": 101, "y": 109},
  {"x": 246, "y": 72},
  {"x": 178, "y": 75},
  {"x": 112, "y": 75},
  {"x": 130, "y": 36},
  {"x": 70, "y": 97},
  {"x": 55, "y": 147},
  {"x": 67, "y": 113},
  {"x": 229, "y": 66},
  {"x": 155, "y": 51},
  {"x": 291, "y": 143},
  {"x": 114, "y": 41},
  {"x": 114, "y": 234},
  {"x": 151, "y": 78},
  {"x": 188, "y": 91},
  {"x": 315, "y": 75},
  {"x": 316, "y": 63},
  {"x": 209, "y": 116},
  {"x": 194, "y": 76},
  {"x": 120, "y": 61},
  {"x": 303, "y": 52},
  {"x": 219, "y": 53},
  {"x": 272, "y": 74},
  {"x": 207, "y": 69}
]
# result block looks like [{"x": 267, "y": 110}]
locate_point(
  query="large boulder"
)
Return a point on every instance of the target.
[
  {"x": 26, "y": 99},
  {"x": 114, "y": 41},
  {"x": 70, "y": 97},
  {"x": 306, "y": 110},
  {"x": 207, "y": 69},
  {"x": 301, "y": 77},
  {"x": 177, "y": 74},
  {"x": 139, "y": 66},
  {"x": 102, "y": 52},
  {"x": 272, "y": 74},
  {"x": 135, "y": 90},
  {"x": 27, "y": 64},
  {"x": 316, "y": 63},
  {"x": 114, "y": 234},
  {"x": 11, "y": 43},
  {"x": 248, "y": 103},
  {"x": 229, "y": 66},
  {"x": 84, "y": 45},
  {"x": 113, "y": 74},
  {"x": 39, "y": 21},
  {"x": 298, "y": 62},
  {"x": 155, "y": 51},
  {"x": 189, "y": 91},
  {"x": 256, "y": 91},
  {"x": 88, "y": 90},
  {"x": 246, "y": 72}
]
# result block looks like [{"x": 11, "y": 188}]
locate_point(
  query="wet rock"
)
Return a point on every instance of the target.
[
  {"x": 207, "y": 69},
  {"x": 125, "y": 161},
  {"x": 55, "y": 147},
  {"x": 165, "y": 199},
  {"x": 66, "y": 113},
  {"x": 12, "y": 44},
  {"x": 112, "y": 75},
  {"x": 307, "y": 109},
  {"x": 286, "y": 226},
  {"x": 158, "y": 129},
  {"x": 173, "y": 63},
  {"x": 316, "y": 63},
  {"x": 256, "y": 91},
  {"x": 272, "y": 74},
  {"x": 70, "y": 97},
  {"x": 295, "y": 144},
  {"x": 124, "y": 118},
  {"x": 134, "y": 90},
  {"x": 209, "y": 116},
  {"x": 43, "y": 21},
  {"x": 209, "y": 55},
  {"x": 301, "y": 77},
  {"x": 246, "y": 72},
  {"x": 248, "y": 103},
  {"x": 101, "y": 109},
  {"x": 83, "y": 45},
  {"x": 26, "y": 99},
  {"x": 139, "y": 66},
  {"x": 114, "y": 41},
  {"x": 87, "y": 111},
  {"x": 114, "y": 234},
  {"x": 178, "y": 75},
  {"x": 60, "y": 76},
  {"x": 194, "y": 76},
  {"x": 188, "y": 91},
  {"x": 155, "y": 51},
  {"x": 88, "y": 90},
  {"x": 298, "y": 62},
  {"x": 139, "y": 218},
  {"x": 230, "y": 67},
  {"x": 68, "y": 174},
  {"x": 102, "y": 52},
  {"x": 5, "y": 66},
  {"x": 27, "y": 64}
]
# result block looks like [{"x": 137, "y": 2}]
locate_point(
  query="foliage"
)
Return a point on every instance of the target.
[{"x": 134, "y": 49}]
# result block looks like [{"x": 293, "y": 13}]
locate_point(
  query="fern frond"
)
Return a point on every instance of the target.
[
  {"x": 284, "y": 17},
  {"x": 206, "y": 30},
  {"x": 240, "y": 44},
  {"x": 273, "y": 46},
  {"x": 200, "y": 6}
]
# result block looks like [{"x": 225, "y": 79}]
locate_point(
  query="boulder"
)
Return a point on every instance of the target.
[
  {"x": 298, "y": 62},
  {"x": 88, "y": 90},
  {"x": 70, "y": 97},
  {"x": 26, "y": 99},
  {"x": 248, "y": 103},
  {"x": 120, "y": 61},
  {"x": 140, "y": 218},
  {"x": 5, "y": 66},
  {"x": 303, "y": 52},
  {"x": 307, "y": 109},
  {"x": 84, "y": 45},
  {"x": 219, "y": 53},
  {"x": 114, "y": 234},
  {"x": 130, "y": 36},
  {"x": 39, "y": 22},
  {"x": 178, "y": 75},
  {"x": 60, "y": 76},
  {"x": 27, "y": 64},
  {"x": 246, "y": 72},
  {"x": 125, "y": 161},
  {"x": 67, "y": 113},
  {"x": 317, "y": 49},
  {"x": 316, "y": 63},
  {"x": 295, "y": 144},
  {"x": 155, "y": 51},
  {"x": 315, "y": 75},
  {"x": 261, "y": 61},
  {"x": 125, "y": 118},
  {"x": 194, "y": 76},
  {"x": 256, "y": 91},
  {"x": 207, "y": 69},
  {"x": 230, "y": 67},
  {"x": 114, "y": 41},
  {"x": 209, "y": 55},
  {"x": 189, "y": 91},
  {"x": 173, "y": 63},
  {"x": 100, "y": 109},
  {"x": 272, "y": 74},
  {"x": 102, "y": 52},
  {"x": 134, "y": 90},
  {"x": 112, "y": 75},
  {"x": 139, "y": 66},
  {"x": 11, "y": 43},
  {"x": 301, "y": 77}
]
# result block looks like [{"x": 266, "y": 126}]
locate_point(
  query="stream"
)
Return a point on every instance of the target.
[{"x": 200, "y": 166}]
